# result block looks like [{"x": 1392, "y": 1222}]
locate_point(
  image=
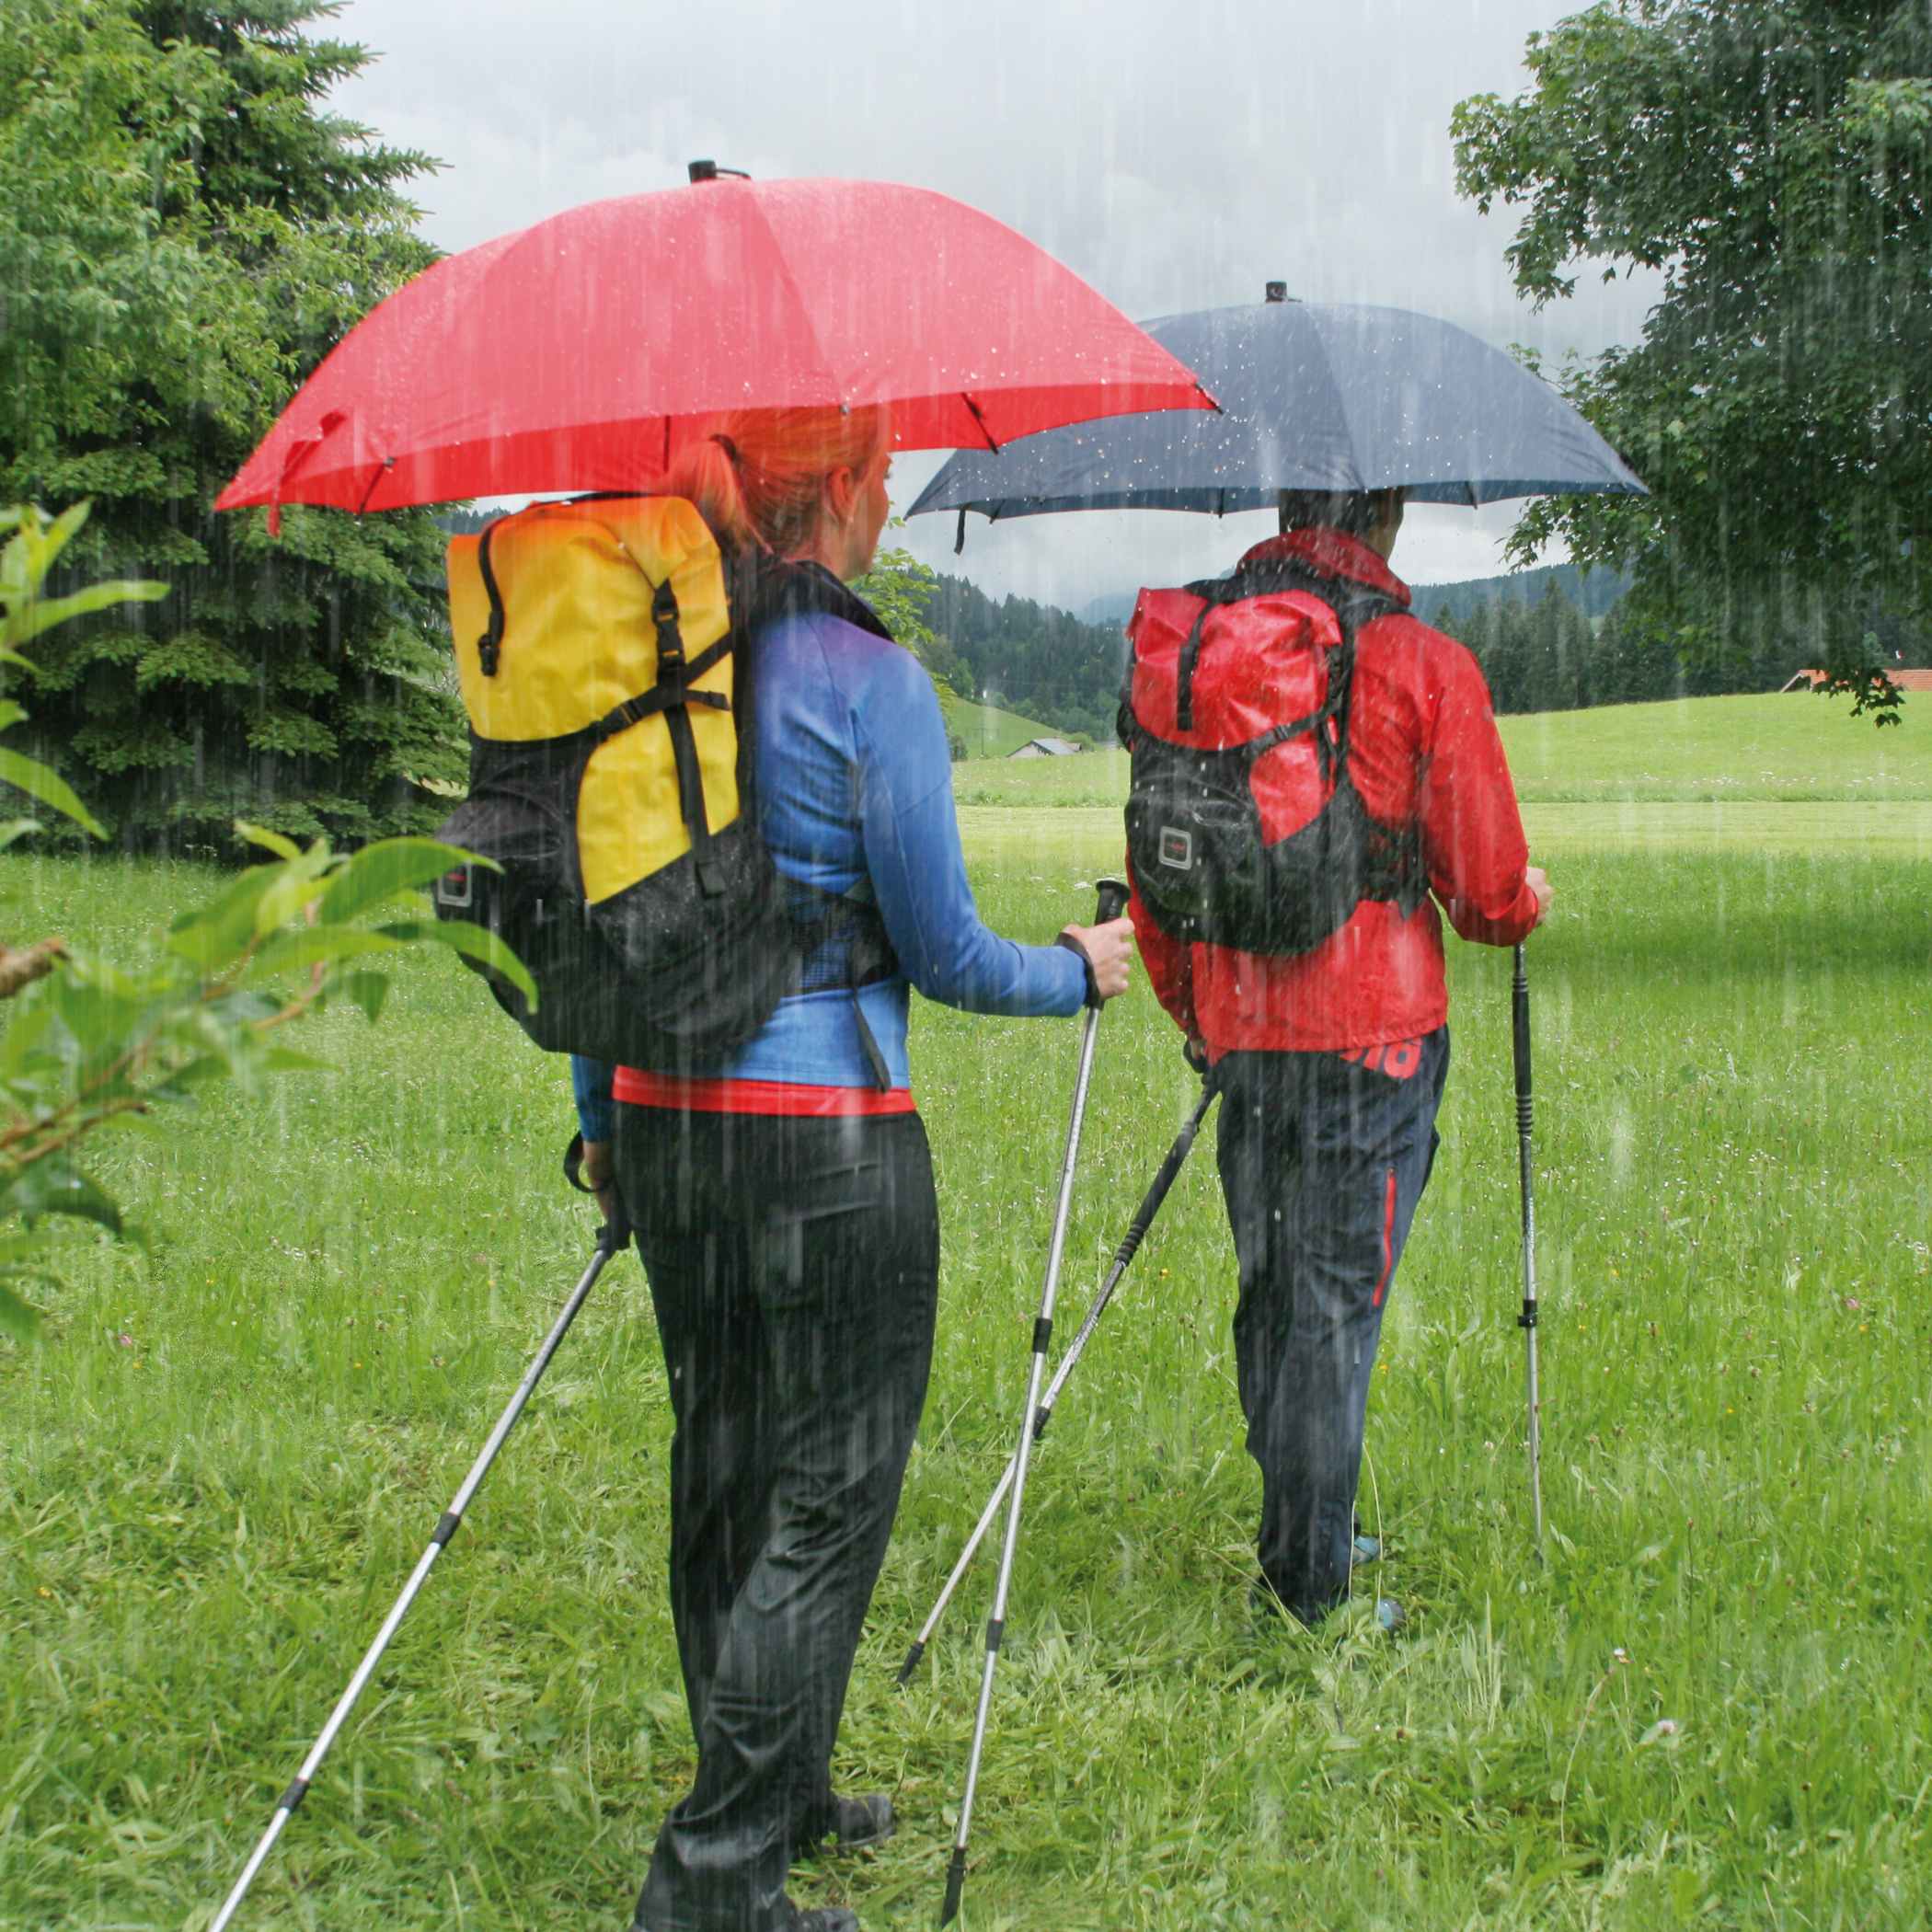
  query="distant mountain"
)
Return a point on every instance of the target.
[
  {"x": 1114, "y": 610},
  {"x": 1592, "y": 595}
]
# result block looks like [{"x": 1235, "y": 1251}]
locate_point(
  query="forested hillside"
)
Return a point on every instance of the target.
[
  {"x": 1595, "y": 592},
  {"x": 1548, "y": 657},
  {"x": 1026, "y": 657}
]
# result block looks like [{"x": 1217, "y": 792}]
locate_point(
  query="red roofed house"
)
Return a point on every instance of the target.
[{"x": 1903, "y": 680}]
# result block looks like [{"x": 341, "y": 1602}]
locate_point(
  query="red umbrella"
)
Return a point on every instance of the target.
[{"x": 577, "y": 354}]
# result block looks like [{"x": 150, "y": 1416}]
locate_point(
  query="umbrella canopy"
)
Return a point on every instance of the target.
[
  {"x": 1313, "y": 396},
  {"x": 577, "y": 354}
]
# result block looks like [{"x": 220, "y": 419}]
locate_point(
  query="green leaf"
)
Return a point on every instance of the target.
[
  {"x": 20, "y": 1320},
  {"x": 45, "y": 784},
  {"x": 214, "y": 935},
  {"x": 380, "y": 871},
  {"x": 274, "y": 841},
  {"x": 475, "y": 942},
  {"x": 294, "y": 891},
  {"x": 13, "y": 829},
  {"x": 179, "y": 1087},
  {"x": 286, "y": 1060},
  {"x": 55, "y": 1186},
  {"x": 43, "y": 614},
  {"x": 10, "y": 713},
  {"x": 304, "y": 945},
  {"x": 366, "y": 990}
]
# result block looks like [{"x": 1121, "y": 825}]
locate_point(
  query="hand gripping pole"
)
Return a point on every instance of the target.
[
  {"x": 1112, "y": 901},
  {"x": 1526, "y": 1157},
  {"x": 1130, "y": 1243},
  {"x": 612, "y": 1239}
]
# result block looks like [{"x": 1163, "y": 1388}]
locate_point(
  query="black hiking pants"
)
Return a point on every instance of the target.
[
  {"x": 1323, "y": 1162},
  {"x": 794, "y": 1268}
]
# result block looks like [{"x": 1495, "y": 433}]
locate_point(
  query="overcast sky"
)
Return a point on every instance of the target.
[{"x": 1176, "y": 155}]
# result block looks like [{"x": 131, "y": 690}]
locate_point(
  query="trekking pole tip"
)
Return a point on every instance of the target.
[{"x": 912, "y": 1662}]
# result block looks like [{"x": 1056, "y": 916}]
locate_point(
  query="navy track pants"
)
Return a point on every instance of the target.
[{"x": 1323, "y": 1162}]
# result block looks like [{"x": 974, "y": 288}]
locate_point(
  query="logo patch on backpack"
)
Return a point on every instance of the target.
[
  {"x": 454, "y": 887},
  {"x": 1177, "y": 848}
]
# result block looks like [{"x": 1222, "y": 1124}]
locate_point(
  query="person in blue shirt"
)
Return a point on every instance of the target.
[{"x": 784, "y": 1200}]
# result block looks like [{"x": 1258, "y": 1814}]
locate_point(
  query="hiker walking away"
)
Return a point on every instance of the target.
[
  {"x": 1331, "y": 1060},
  {"x": 784, "y": 1202}
]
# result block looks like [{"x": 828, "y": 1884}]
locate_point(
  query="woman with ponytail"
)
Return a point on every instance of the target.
[{"x": 784, "y": 1202}]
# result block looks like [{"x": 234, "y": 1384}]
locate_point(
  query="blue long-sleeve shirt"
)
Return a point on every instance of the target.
[{"x": 855, "y": 783}]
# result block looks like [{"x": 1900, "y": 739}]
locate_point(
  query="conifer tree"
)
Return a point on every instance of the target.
[{"x": 185, "y": 232}]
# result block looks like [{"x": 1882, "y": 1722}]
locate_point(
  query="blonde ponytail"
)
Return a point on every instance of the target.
[
  {"x": 757, "y": 476},
  {"x": 707, "y": 474}
]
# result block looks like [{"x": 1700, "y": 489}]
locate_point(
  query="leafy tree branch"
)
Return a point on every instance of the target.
[{"x": 1771, "y": 160}]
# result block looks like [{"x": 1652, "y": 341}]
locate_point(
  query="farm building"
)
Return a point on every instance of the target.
[
  {"x": 1045, "y": 748},
  {"x": 1903, "y": 680}
]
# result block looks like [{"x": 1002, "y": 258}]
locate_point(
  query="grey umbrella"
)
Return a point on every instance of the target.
[{"x": 1314, "y": 396}]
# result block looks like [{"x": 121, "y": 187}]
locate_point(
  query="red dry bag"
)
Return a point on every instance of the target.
[{"x": 1243, "y": 825}]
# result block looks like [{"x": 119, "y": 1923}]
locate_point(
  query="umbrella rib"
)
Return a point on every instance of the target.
[
  {"x": 383, "y": 470},
  {"x": 981, "y": 421},
  {"x": 782, "y": 267}
]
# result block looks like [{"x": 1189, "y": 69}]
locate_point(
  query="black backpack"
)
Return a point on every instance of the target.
[
  {"x": 1201, "y": 862},
  {"x": 675, "y": 968}
]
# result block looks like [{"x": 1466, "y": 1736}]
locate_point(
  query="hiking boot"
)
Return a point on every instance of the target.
[
  {"x": 1365, "y": 1550},
  {"x": 1390, "y": 1616},
  {"x": 855, "y": 1822}
]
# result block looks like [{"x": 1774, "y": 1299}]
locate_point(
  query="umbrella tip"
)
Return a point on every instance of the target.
[
  {"x": 710, "y": 171},
  {"x": 1277, "y": 291}
]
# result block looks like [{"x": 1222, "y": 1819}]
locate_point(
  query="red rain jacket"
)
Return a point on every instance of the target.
[{"x": 1423, "y": 751}]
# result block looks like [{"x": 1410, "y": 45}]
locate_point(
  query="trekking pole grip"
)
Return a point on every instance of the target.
[{"x": 1112, "y": 900}]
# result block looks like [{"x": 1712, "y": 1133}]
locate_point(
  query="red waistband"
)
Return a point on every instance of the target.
[{"x": 642, "y": 1088}]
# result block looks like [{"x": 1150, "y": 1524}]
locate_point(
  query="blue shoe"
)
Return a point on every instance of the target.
[{"x": 1365, "y": 1550}]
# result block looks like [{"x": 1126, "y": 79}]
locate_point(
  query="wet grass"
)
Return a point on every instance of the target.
[
  {"x": 1711, "y": 1703},
  {"x": 1794, "y": 746},
  {"x": 1790, "y": 749}
]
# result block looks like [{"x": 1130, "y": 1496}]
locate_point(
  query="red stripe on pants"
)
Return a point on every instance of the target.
[{"x": 1388, "y": 1238}]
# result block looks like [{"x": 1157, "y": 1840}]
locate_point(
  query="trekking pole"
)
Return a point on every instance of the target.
[
  {"x": 1526, "y": 1321},
  {"x": 1150, "y": 1206},
  {"x": 1112, "y": 901},
  {"x": 612, "y": 1239}
]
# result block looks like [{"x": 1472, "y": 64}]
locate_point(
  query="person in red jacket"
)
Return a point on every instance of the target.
[{"x": 1331, "y": 1063}]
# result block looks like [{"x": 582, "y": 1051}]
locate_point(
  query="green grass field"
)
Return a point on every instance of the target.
[
  {"x": 1713, "y": 1705},
  {"x": 1770, "y": 749}
]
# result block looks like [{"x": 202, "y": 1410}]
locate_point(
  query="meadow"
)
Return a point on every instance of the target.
[
  {"x": 1710, "y": 1705},
  {"x": 988, "y": 732},
  {"x": 1775, "y": 748}
]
